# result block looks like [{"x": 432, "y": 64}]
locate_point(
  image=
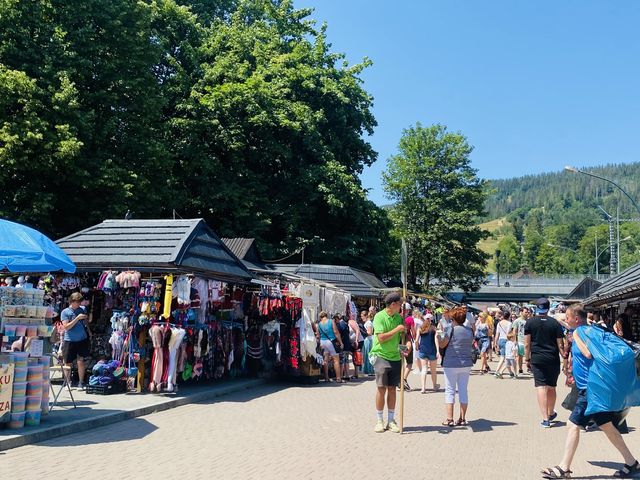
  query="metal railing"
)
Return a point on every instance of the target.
[{"x": 542, "y": 280}]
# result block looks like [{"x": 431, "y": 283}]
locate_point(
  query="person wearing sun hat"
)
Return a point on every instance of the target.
[{"x": 543, "y": 343}]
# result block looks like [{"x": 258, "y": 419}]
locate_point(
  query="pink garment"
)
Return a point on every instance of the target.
[
  {"x": 410, "y": 323},
  {"x": 155, "y": 332}
]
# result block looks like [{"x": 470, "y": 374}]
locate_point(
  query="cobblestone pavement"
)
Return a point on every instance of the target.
[{"x": 324, "y": 432}]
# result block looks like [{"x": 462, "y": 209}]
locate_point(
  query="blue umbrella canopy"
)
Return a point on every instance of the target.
[{"x": 23, "y": 250}]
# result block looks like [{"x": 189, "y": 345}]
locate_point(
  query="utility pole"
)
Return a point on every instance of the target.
[
  {"x": 613, "y": 260},
  {"x": 618, "y": 237},
  {"x": 596, "y": 237}
]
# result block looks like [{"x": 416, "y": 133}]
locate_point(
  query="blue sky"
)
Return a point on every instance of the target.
[{"x": 534, "y": 85}]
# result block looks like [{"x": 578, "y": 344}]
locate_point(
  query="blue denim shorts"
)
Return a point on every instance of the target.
[
  {"x": 502, "y": 343},
  {"x": 426, "y": 356}
]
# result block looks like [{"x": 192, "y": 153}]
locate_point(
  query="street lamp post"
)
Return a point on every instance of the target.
[
  {"x": 575, "y": 170},
  {"x": 560, "y": 246},
  {"x": 613, "y": 247}
]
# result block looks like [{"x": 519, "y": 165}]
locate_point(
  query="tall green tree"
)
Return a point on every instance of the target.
[
  {"x": 271, "y": 138},
  {"x": 510, "y": 259},
  {"x": 237, "y": 111},
  {"x": 437, "y": 197},
  {"x": 96, "y": 142}
]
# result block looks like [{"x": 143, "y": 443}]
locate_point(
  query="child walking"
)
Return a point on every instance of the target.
[
  {"x": 511, "y": 352},
  {"x": 427, "y": 353}
]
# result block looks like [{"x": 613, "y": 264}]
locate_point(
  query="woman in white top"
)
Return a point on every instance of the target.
[{"x": 501, "y": 332}]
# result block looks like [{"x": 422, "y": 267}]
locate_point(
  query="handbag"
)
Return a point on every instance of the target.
[
  {"x": 475, "y": 353},
  {"x": 570, "y": 400},
  {"x": 357, "y": 358}
]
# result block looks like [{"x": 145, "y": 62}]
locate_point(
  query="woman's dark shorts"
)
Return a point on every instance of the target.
[
  {"x": 579, "y": 418},
  {"x": 545, "y": 374}
]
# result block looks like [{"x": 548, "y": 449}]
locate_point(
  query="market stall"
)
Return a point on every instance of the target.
[
  {"x": 617, "y": 295},
  {"x": 25, "y": 323},
  {"x": 169, "y": 303}
]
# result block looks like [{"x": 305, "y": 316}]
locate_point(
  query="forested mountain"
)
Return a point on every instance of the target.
[
  {"x": 556, "y": 222},
  {"x": 552, "y": 189}
]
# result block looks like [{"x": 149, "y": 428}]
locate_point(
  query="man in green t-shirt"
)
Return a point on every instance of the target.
[{"x": 385, "y": 353}]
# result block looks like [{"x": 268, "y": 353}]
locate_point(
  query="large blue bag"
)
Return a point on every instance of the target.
[{"x": 613, "y": 383}]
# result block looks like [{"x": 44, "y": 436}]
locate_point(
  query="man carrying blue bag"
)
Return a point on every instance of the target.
[{"x": 605, "y": 375}]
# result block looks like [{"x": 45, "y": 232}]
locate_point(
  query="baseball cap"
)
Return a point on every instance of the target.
[{"x": 542, "y": 304}]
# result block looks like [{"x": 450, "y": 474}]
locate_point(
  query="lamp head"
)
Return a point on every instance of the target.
[{"x": 571, "y": 169}]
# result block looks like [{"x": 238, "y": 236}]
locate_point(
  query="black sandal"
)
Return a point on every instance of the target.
[
  {"x": 461, "y": 422},
  {"x": 556, "y": 472},
  {"x": 628, "y": 471},
  {"x": 448, "y": 423}
]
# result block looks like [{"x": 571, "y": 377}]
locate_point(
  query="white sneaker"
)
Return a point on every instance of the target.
[
  {"x": 392, "y": 426},
  {"x": 379, "y": 427}
]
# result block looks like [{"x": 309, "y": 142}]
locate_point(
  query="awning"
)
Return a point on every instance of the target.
[{"x": 23, "y": 249}]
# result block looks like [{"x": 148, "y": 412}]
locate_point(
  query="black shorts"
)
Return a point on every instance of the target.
[
  {"x": 545, "y": 374},
  {"x": 73, "y": 350},
  {"x": 579, "y": 418},
  {"x": 387, "y": 372}
]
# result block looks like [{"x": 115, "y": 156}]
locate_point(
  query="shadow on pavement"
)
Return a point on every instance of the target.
[
  {"x": 428, "y": 428},
  {"x": 137, "y": 428},
  {"x": 610, "y": 465},
  {"x": 484, "y": 425},
  {"x": 250, "y": 394}
]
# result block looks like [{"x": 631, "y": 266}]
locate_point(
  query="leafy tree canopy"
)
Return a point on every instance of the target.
[
  {"x": 437, "y": 196},
  {"x": 234, "y": 111}
]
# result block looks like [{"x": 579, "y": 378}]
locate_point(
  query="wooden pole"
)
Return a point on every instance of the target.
[{"x": 402, "y": 362}]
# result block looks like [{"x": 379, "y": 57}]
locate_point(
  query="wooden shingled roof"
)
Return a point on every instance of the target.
[{"x": 185, "y": 246}]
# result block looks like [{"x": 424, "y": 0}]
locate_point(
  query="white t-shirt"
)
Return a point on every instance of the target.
[
  {"x": 418, "y": 323},
  {"x": 368, "y": 325},
  {"x": 502, "y": 329}
]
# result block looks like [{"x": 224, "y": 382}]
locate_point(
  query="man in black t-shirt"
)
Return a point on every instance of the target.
[{"x": 543, "y": 343}]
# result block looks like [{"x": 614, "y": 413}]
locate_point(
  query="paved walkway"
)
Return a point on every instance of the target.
[
  {"x": 93, "y": 411},
  {"x": 323, "y": 432}
]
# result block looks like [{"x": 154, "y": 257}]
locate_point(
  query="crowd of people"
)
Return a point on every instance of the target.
[{"x": 535, "y": 339}]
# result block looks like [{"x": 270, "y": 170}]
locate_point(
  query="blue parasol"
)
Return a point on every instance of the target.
[{"x": 23, "y": 250}]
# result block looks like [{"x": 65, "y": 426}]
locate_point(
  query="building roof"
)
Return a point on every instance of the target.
[
  {"x": 187, "y": 246},
  {"x": 356, "y": 282},
  {"x": 584, "y": 289},
  {"x": 247, "y": 251},
  {"x": 621, "y": 287}
]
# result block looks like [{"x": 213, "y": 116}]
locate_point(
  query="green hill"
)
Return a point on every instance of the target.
[
  {"x": 564, "y": 188},
  {"x": 552, "y": 223}
]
